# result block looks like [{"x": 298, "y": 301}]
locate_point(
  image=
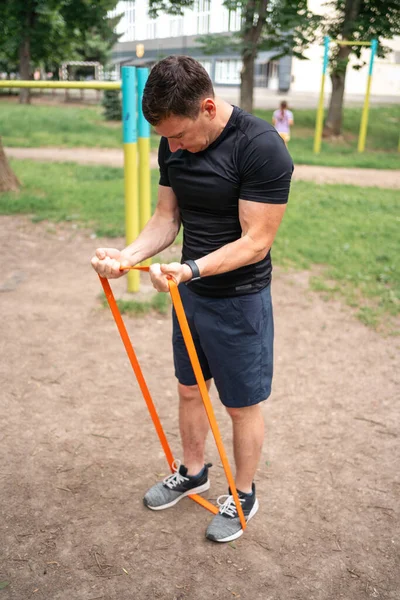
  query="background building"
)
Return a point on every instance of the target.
[{"x": 144, "y": 41}]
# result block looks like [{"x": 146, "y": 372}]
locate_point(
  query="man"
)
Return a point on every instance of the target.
[{"x": 225, "y": 176}]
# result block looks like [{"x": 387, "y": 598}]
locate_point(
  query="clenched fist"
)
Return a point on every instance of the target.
[
  {"x": 107, "y": 262},
  {"x": 160, "y": 274}
]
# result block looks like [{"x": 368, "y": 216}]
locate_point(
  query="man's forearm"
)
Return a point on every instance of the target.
[
  {"x": 158, "y": 234},
  {"x": 243, "y": 251}
]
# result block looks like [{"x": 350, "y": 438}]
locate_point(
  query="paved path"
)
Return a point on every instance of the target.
[{"x": 114, "y": 158}]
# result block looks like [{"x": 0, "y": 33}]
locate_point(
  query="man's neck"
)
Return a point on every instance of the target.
[{"x": 224, "y": 111}]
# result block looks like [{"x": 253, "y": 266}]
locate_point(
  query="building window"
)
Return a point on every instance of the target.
[
  {"x": 228, "y": 71},
  {"x": 176, "y": 26},
  {"x": 202, "y": 8},
  {"x": 151, "y": 29},
  {"x": 127, "y": 24},
  {"x": 207, "y": 65},
  {"x": 235, "y": 20}
]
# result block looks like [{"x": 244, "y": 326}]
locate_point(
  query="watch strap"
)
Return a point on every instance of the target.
[{"x": 194, "y": 268}]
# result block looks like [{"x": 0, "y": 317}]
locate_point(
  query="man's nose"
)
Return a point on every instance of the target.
[{"x": 174, "y": 145}]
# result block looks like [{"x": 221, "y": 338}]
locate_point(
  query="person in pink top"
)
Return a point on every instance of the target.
[{"x": 282, "y": 120}]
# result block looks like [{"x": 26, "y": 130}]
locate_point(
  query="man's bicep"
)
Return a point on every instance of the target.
[
  {"x": 260, "y": 221},
  {"x": 167, "y": 203}
]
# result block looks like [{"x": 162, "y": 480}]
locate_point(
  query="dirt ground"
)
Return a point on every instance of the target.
[
  {"x": 385, "y": 178},
  {"x": 79, "y": 450}
]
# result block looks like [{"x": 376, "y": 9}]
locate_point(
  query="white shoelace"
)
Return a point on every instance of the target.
[
  {"x": 228, "y": 506},
  {"x": 176, "y": 478}
]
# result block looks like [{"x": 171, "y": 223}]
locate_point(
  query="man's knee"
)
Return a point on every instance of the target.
[
  {"x": 244, "y": 413},
  {"x": 191, "y": 392}
]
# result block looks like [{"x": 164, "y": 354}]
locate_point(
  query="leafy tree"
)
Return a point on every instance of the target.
[
  {"x": 34, "y": 32},
  {"x": 112, "y": 105},
  {"x": 286, "y": 26},
  {"x": 360, "y": 20},
  {"x": 46, "y": 32}
]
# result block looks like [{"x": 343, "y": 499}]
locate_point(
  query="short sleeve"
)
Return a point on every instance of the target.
[
  {"x": 265, "y": 169},
  {"x": 162, "y": 148}
]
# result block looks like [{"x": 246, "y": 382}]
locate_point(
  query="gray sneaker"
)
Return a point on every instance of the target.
[
  {"x": 226, "y": 526},
  {"x": 175, "y": 487}
]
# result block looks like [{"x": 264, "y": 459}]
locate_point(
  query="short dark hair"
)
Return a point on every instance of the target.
[{"x": 175, "y": 86}]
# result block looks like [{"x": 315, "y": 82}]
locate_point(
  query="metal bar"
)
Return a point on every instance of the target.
[
  {"x": 130, "y": 165},
  {"x": 87, "y": 85},
  {"x": 144, "y": 156},
  {"x": 320, "y": 112},
  {"x": 364, "y": 118},
  {"x": 351, "y": 43}
]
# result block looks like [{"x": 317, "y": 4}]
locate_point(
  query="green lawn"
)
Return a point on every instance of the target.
[
  {"x": 350, "y": 232},
  {"x": 64, "y": 126},
  {"x": 72, "y": 126},
  {"x": 381, "y": 146}
]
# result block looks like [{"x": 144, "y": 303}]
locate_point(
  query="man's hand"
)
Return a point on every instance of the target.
[
  {"x": 107, "y": 262},
  {"x": 160, "y": 274}
]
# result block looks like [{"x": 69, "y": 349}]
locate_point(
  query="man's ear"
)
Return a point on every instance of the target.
[{"x": 209, "y": 108}]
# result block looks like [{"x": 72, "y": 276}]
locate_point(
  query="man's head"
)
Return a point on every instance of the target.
[{"x": 178, "y": 100}]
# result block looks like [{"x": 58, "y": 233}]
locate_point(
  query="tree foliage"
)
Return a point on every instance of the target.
[{"x": 56, "y": 29}]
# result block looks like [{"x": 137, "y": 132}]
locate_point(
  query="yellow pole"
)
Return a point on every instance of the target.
[
  {"x": 144, "y": 181},
  {"x": 320, "y": 112},
  {"x": 130, "y": 165},
  {"x": 87, "y": 85},
  {"x": 364, "y": 117},
  {"x": 350, "y": 43},
  {"x": 144, "y": 157}
]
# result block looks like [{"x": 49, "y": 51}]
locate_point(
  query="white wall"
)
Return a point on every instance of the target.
[{"x": 306, "y": 74}]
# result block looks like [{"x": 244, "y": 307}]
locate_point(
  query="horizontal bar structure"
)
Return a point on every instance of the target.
[
  {"x": 350, "y": 43},
  {"x": 79, "y": 85}
]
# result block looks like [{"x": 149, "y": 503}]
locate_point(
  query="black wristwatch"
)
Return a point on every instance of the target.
[{"x": 194, "y": 268}]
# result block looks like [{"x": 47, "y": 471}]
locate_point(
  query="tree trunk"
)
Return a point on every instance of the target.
[
  {"x": 254, "y": 20},
  {"x": 247, "y": 83},
  {"x": 25, "y": 70},
  {"x": 8, "y": 181},
  {"x": 333, "y": 125},
  {"x": 350, "y": 12}
]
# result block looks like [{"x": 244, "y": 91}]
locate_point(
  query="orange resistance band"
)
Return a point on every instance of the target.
[{"x": 187, "y": 336}]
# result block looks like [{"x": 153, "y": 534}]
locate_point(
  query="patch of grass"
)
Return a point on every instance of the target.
[
  {"x": 351, "y": 232},
  {"x": 160, "y": 303},
  {"x": 68, "y": 127},
  {"x": 74, "y": 126},
  {"x": 60, "y": 126},
  {"x": 381, "y": 146},
  {"x": 93, "y": 196}
]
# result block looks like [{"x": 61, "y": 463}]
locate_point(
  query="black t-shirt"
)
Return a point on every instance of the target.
[{"x": 248, "y": 160}]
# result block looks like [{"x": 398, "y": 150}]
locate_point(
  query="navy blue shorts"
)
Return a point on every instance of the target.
[{"x": 234, "y": 340}]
